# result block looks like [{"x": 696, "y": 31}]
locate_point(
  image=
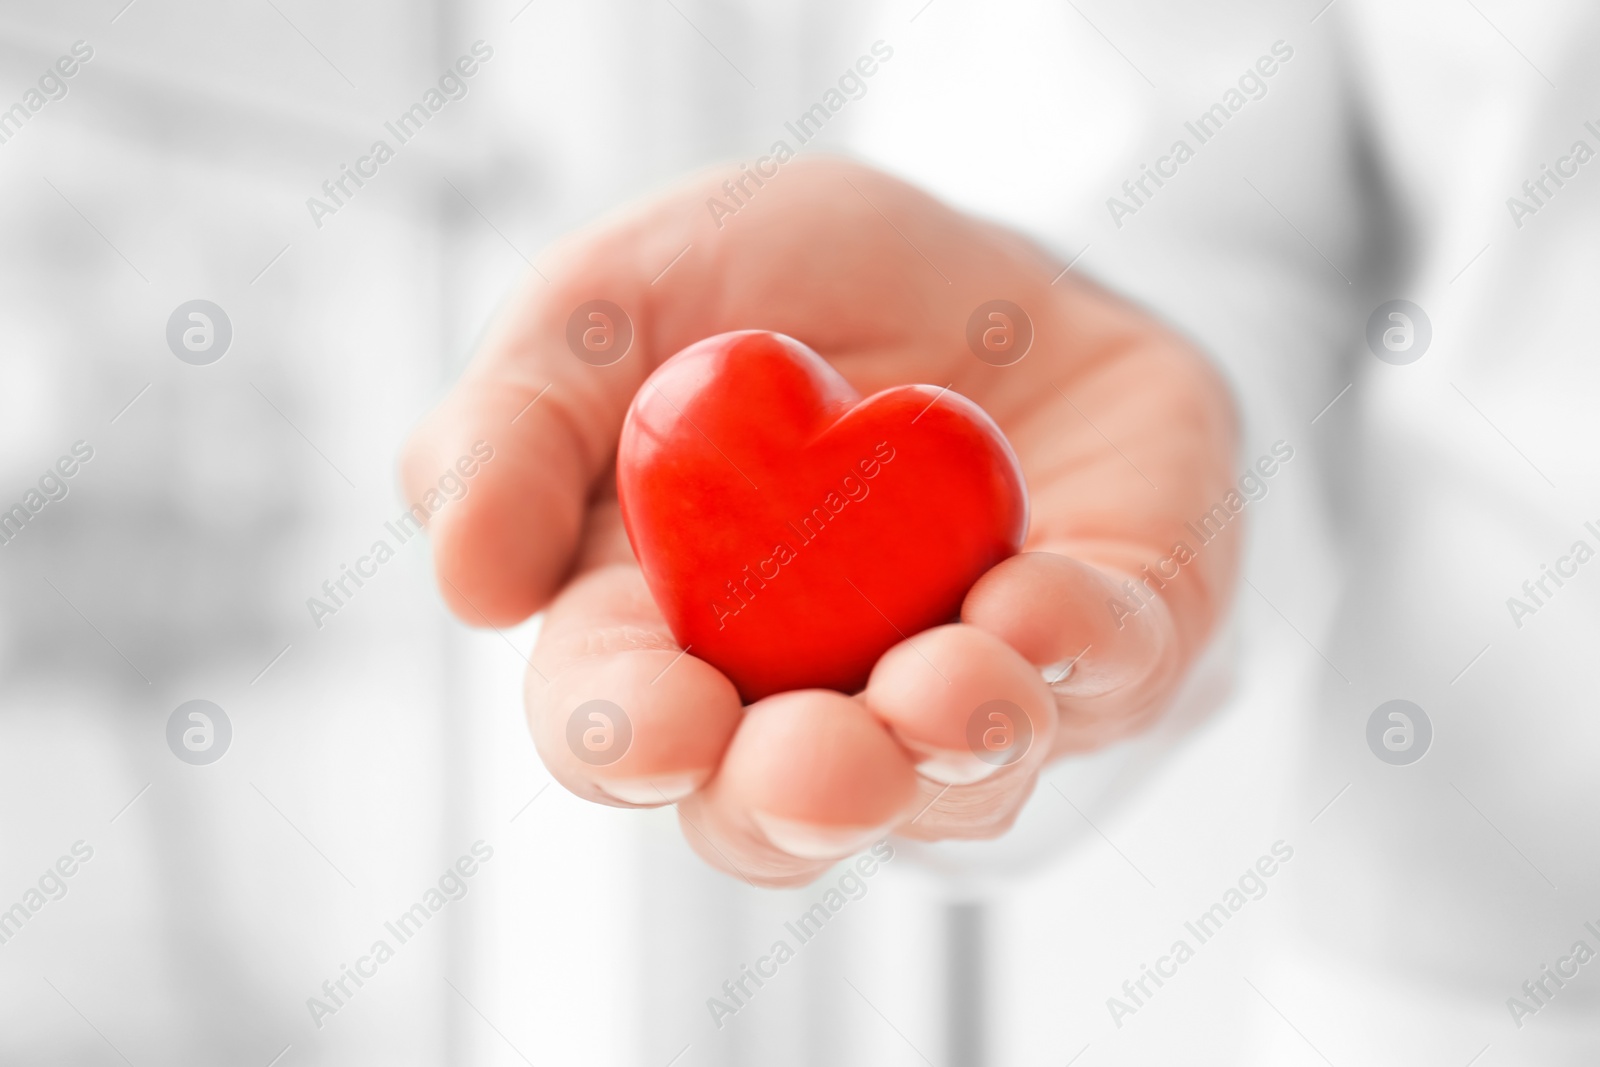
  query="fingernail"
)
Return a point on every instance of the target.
[
  {"x": 664, "y": 790},
  {"x": 954, "y": 768},
  {"x": 948, "y": 767},
  {"x": 1059, "y": 672},
  {"x": 813, "y": 842}
]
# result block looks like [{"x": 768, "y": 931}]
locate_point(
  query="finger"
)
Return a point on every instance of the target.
[
  {"x": 620, "y": 715},
  {"x": 810, "y": 777},
  {"x": 548, "y": 422},
  {"x": 1054, "y": 610},
  {"x": 978, "y": 717},
  {"x": 1105, "y": 645}
]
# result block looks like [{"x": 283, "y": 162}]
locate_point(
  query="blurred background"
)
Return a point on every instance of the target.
[{"x": 212, "y": 904}]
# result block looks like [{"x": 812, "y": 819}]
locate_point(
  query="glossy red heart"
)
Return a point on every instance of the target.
[{"x": 792, "y": 532}]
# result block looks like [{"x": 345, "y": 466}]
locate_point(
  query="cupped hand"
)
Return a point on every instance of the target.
[{"x": 1124, "y": 435}]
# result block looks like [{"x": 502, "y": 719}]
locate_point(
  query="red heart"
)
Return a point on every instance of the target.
[{"x": 791, "y": 531}]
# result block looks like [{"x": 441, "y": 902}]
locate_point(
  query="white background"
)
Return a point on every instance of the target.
[{"x": 379, "y": 747}]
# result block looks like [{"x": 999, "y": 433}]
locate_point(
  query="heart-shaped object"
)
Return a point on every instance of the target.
[{"x": 792, "y": 532}]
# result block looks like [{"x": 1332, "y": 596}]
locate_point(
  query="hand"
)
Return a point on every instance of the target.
[{"x": 1123, "y": 431}]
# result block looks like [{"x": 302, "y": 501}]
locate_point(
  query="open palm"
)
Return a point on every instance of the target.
[{"x": 1123, "y": 433}]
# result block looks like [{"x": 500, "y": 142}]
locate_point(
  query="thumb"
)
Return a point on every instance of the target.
[{"x": 537, "y": 415}]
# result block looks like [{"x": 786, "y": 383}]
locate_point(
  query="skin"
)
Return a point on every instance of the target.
[{"x": 1123, "y": 430}]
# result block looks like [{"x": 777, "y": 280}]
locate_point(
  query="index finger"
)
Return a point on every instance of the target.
[{"x": 548, "y": 421}]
